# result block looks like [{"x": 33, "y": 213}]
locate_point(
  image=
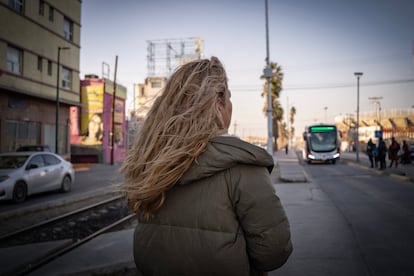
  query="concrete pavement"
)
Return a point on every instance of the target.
[{"x": 287, "y": 168}]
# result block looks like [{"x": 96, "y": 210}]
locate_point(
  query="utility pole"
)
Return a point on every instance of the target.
[
  {"x": 358, "y": 75},
  {"x": 113, "y": 113},
  {"x": 58, "y": 100},
  {"x": 268, "y": 75}
]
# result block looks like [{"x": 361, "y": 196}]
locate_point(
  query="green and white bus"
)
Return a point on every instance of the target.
[{"x": 322, "y": 144}]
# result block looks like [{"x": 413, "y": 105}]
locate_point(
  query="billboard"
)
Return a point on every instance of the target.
[{"x": 92, "y": 109}]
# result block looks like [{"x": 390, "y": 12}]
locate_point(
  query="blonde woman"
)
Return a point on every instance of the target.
[{"x": 204, "y": 199}]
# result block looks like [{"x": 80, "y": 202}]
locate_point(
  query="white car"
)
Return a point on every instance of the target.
[{"x": 26, "y": 173}]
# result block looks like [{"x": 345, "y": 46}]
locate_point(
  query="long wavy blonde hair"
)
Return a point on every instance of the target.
[{"x": 175, "y": 131}]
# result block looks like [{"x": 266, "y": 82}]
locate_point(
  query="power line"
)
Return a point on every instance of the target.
[
  {"x": 374, "y": 83},
  {"x": 370, "y": 60},
  {"x": 325, "y": 86}
]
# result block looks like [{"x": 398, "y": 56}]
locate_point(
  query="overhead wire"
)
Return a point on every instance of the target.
[{"x": 324, "y": 86}]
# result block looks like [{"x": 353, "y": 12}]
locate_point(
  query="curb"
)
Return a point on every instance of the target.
[{"x": 383, "y": 172}]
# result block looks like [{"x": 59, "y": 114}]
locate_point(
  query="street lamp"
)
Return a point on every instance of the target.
[
  {"x": 326, "y": 108},
  {"x": 268, "y": 75},
  {"x": 57, "y": 97},
  {"x": 358, "y": 75}
]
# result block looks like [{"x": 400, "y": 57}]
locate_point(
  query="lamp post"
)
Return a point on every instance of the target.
[
  {"x": 57, "y": 98},
  {"x": 268, "y": 75},
  {"x": 358, "y": 75},
  {"x": 326, "y": 108}
]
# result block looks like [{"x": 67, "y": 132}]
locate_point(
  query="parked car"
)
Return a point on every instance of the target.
[
  {"x": 34, "y": 148},
  {"x": 26, "y": 173}
]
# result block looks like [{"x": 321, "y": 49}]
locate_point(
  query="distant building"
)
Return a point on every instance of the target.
[
  {"x": 146, "y": 93},
  {"x": 91, "y": 124},
  {"x": 398, "y": 123},
  {"x": 30, "y": 34},
  {"x": 163, "y": 57}
]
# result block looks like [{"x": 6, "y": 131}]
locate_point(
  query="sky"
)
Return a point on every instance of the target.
[{"x": 319, "y": 44}]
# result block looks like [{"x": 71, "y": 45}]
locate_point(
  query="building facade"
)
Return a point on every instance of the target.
[
  {"x": 397, "y": 123},
  {"x": 97, "y": 121},
  {"x": 146, "y": 93},
  {"x": 39, "y": 72}
]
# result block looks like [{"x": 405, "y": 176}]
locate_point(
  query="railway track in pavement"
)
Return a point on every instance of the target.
[{"x": 74, "y": 228}]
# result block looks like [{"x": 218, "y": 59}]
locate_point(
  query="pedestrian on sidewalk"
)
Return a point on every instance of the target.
[
  {"x": 370, "y": 152},
  {"x": 286, "y": 149},
  {"x": 204, "y": 200},
  {"x": 406, "y": 153},
  {"x": 393, "y": 152},
  {"x": 382, "y": 153}
]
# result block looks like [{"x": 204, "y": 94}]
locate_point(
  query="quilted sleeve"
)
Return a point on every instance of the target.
[{"x": 261, "y": 216}]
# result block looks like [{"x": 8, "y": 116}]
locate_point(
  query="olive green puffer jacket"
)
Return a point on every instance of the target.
[{"x": 222, "y": 218}]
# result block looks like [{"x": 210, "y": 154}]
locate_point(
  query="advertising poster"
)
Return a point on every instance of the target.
[
  {"x": 91, "y": 119},
  {"x": 119, "y": 111}
]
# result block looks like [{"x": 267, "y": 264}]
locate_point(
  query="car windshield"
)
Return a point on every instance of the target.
[{"x": 12, "y": 161}]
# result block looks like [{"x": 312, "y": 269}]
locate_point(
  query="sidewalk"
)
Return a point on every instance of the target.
[
  {"x": 287, "y": 168},
  {"x": 402, "y": 171}
]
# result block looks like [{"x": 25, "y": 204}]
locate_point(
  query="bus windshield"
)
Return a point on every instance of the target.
[{"x": 322, "y": 141}]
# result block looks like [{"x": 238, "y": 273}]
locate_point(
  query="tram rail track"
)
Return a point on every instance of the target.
[
  {"x": 55, "y": 219},
  {"x": 101, "y": 217}
]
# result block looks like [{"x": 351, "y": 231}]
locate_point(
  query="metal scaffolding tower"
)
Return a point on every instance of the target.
[{"x": 165, "y": 55}]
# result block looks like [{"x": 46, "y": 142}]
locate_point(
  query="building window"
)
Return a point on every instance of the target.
[
  {"x": 66, "y": 78},
  {"x": 39, "y": 64},
  {"x": 18, "y": 133},
  {"x": 68, "y": 29},
  {"x": 51, "y": 13},
  {"x": 16, "y": 5},
  {"x": 41, "y": 7},
  {"x": 49, "y": 67},
  {"x": 14, "y": 60},
  {"x": 155, "y": 84}
]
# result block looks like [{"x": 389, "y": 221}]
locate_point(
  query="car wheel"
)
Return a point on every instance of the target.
[
  {"x": 333, "y": 161},
  {"x": 66, "y": 184},
  {"x": 19, "y": 192}
]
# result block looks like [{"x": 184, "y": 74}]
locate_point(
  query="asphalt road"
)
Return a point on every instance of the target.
[{"x": 349, "y": 220}]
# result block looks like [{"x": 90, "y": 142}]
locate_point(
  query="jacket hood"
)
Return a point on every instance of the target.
[{"x": 222, "y": 153}]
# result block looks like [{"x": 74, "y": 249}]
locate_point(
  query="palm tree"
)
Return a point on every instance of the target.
[
  {"x": 292, "y": 120},
  {"x": 275, "y": 88}
]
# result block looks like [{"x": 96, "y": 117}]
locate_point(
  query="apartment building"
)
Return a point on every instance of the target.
[
  {"x": 146, "y": 93},
  {"x": 39, "y": 72},
  {"x": 92, "y": 138}
]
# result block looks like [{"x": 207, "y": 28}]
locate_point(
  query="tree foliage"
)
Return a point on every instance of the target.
[
  {"x": 275, "y": 90},
  {"x": 292, "y": 121}
]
